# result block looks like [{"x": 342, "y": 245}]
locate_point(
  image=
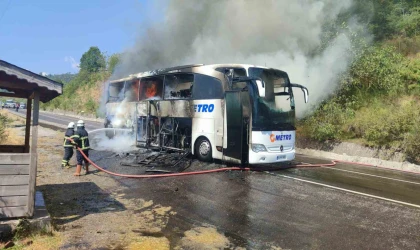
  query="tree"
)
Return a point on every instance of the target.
[
  {"x": 113, "y": 62},
  {"x": 93, "y": 60}
]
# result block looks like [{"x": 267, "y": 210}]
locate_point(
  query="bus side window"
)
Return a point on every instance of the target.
[
  {"x": 207, "y": 87},
  {"x": 151, "y": 88},
  {"x": 178, "y": 86},
  {"x": 132, "y": 90},
  {"x": 239, "y": 72},
  {"x": 239, "y": 85}
]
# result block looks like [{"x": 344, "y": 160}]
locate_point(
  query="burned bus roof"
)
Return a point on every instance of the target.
[
  {"x": 154, "y": 72},
  {"x": 172, "y": 69}
]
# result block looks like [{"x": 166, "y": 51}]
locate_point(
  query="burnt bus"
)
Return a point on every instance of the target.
[{"x": 233, "y": 112}]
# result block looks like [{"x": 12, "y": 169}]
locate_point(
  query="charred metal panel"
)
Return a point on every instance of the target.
[
  {"x": 142, "y": 109},
  {"x": 175, "y": 108},
  {"x": 165, "y": 109},
  {"x": 181, "y": 108},
  {"x": 154, "y": 108}
]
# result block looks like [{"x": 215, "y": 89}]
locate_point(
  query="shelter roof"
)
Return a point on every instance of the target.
[{"x": 21, "y": 83}]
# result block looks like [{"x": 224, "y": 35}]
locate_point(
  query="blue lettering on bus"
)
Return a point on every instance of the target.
[
  {"x": 208, "y": 108},
  {"x": 211, "y": 108},
  {"x": 281, "y": 138}
]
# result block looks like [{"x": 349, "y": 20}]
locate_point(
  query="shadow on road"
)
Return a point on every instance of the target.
[{"x": 72, "y": 201}]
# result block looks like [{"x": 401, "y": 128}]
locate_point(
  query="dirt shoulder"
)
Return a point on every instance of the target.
[
  {"x": 91, "y": 212},
  {"x": 87, "y": 211}
]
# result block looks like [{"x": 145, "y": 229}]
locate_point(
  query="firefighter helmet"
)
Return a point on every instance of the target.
[
  {"x": 80, "y": 123},
  {"x": 71, "y": 125}
]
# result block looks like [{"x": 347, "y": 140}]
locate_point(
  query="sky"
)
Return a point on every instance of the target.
[{"x": 51, "y": 35}]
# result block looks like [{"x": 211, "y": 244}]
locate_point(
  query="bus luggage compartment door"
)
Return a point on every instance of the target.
[{"x": 234, "y": 124}]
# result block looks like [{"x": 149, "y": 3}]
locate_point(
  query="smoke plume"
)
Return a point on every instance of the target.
[
  {"x": 279, "y": 34},
  {"x": 114, "y": 140}
]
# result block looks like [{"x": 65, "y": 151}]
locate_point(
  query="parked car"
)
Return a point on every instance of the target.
[
  {"x": 23, "y": 105},
  {"x": 9, "y": 104}
]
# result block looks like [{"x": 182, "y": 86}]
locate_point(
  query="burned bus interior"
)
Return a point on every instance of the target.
[{"x": 165, "y": 109}]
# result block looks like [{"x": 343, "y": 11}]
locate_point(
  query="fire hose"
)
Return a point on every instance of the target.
[
  {"x": 332, "y": 164},
  {"x": 158, "y": 175}
]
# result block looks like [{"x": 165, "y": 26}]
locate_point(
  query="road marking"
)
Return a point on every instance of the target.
[
  {"x": 378, "y": 176},
  {"x": 349, "y": 191},
  {"x": 55, "y": 118},
  {"x": 87, "y": 123}
]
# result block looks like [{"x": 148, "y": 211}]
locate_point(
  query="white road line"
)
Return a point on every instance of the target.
[
  {"x": 55, "y": 118},
  {"x": 70, "y": 118},
  {"x": 349, "y": 191},
  {"x": 378, "y": 176}
]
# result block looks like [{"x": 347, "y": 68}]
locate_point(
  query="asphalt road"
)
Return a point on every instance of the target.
[
  {"x": 60, "y": 119},
  {"x": 341, "y": 207}
]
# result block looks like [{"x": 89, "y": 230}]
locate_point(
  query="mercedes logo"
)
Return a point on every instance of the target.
[{"x": 281, "y": 148}]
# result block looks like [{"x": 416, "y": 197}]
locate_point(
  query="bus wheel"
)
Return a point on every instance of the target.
[{"x": 203, "y": 149}]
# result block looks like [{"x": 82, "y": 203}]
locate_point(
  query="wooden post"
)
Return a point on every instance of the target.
[
  {"x": 33, "y": 167},
  {"x": 28, "y": 124}
]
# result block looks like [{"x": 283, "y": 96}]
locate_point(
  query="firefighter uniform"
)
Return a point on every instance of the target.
[
  {"x": 82, "y": 141},
  {"x": 68, "y": 146}
]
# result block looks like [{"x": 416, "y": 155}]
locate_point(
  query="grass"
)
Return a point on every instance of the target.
[
  {"x": 25, "y": 238},
  {"x": 39, "y": 241},
  {"x": 390, "y": 122},
  {"x": 10, "y": 127}
]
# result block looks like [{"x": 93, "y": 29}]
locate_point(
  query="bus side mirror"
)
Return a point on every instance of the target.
[
  {"x": 261, "y": 87},
  {"x": 305, "y": 94},
  {"x": 304, "y": 90}
]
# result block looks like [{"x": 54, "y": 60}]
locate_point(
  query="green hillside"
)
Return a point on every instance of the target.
[
  {"x": 377, "y": 103},
  {"x": 82, "y": 91},
  {"x": 63, "y": 78}
]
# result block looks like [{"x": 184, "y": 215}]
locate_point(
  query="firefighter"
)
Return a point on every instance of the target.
[
  {"x": 82, "y": 142},
  {"x": 68, "y": 146}
]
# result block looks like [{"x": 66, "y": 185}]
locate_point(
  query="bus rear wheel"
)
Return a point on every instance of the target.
[{"x": 203, "y": 149}]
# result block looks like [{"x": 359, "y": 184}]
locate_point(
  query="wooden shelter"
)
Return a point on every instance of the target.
[{"x": 18, "y": 164}]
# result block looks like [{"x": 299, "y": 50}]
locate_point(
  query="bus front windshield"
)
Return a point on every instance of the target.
[{"x": 276, "y": 110}]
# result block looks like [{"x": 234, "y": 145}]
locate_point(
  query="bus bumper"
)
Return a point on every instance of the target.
[{"x": 270, "y": 157}]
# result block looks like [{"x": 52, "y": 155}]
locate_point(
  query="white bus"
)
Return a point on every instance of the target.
[{"x": 233, "y": 112}]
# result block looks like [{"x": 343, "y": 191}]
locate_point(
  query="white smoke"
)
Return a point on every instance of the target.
[
  {"x": 114, "y": 140},
  {"x": 279, "y": 34}
]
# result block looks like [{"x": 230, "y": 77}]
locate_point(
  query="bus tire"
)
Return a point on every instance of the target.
[{"x": 203, "y": 149}]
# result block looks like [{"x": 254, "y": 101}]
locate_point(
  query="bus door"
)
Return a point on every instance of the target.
[{"x": 234, "y": 122}]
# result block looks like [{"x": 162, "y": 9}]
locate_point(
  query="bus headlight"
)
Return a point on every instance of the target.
[{"x": 258, "y": 148}]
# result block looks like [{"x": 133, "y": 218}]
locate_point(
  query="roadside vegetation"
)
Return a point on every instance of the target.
[
  {"x": 9, "y": 129},
  {"x": 3, "y": 123},
  {"x": 377, "y": 103},
  {"x": 82, "y": 91},
  {"x": 27, "y": 238}
]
